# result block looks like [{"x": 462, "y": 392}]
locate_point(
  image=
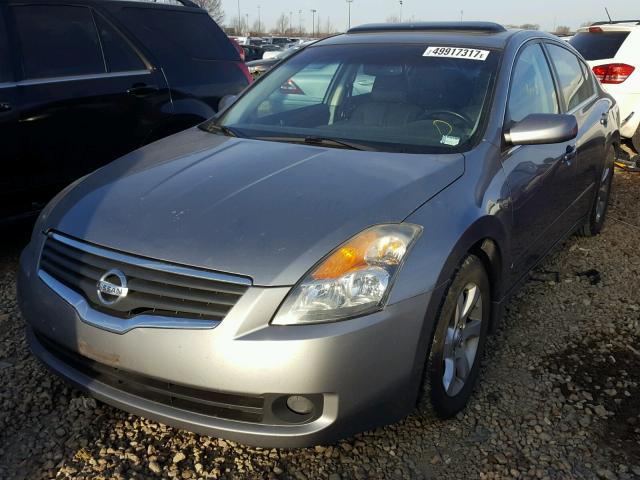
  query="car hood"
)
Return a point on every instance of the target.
[{"x": 266, "y": 210}]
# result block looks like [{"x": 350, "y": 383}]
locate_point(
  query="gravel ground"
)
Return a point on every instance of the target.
[{"x": 559, "y": 396}]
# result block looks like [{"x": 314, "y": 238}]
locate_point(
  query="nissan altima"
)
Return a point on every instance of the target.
[{"x": 335, "y": 245}]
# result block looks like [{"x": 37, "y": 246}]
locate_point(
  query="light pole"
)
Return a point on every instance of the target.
[
  {"x": 247, "y": 17},
  {"x": 290, "y": 22},
  {"x": 349, "y": 2},
  {"x": 259, "y": 22},
  {"x": 401, "y": 10},
  {"x": 300, "y": 22},
  {"x": 313, "y": 23},
  {"x": 239, "y": 20}
]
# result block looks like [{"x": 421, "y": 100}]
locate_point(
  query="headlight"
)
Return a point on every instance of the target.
[{"x": 353, "y": 280}]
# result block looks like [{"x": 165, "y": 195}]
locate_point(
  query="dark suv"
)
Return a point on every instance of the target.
[{"x": 84, "y": 82}]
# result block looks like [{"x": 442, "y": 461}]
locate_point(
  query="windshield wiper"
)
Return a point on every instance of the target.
[
  {"x": 326, "y": 141},
  {"x": 228, "y": 131},
  {"x": 319, "y": 141}
]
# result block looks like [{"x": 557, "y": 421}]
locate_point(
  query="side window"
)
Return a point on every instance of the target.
[
  {"x": 5, "y": 60},
  {"x": 305, "y": 88},
  {"x": 532, "y": 88},
  {"x": 57, "y": 41},
  {"x": 363, "y": 83},
  {"x": 576, "y": 88},
  {"x": 588, "y": 74},
  {"x": 119, "y": 55}
]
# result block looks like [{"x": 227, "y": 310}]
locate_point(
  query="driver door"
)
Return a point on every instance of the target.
[{"x": 537, "y": 174}]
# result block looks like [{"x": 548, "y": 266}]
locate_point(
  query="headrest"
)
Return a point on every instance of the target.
[{"x": 389, "y": 89}]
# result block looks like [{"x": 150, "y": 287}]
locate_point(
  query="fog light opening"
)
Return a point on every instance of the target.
[{"x": 299, "y": 405}]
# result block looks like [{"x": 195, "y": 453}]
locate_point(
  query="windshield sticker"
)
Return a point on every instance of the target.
[
  {"x": 449, "y": 140},
  {"x": 456, "y": 52}
]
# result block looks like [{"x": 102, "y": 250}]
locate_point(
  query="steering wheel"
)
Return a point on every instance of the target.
[{"x": 459, "y": 116}]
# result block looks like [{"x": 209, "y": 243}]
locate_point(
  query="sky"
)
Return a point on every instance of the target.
[{"x": 546, "y": 13}]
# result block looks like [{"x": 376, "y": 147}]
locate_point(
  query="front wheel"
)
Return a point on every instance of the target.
[
  {"x": 594, "y": 223},
  {"x": 459, "y": 339}
]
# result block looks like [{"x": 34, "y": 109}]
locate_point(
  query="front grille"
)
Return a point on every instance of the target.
[
  {"x": 154, "y": 288},
  {"x": 229, "y": 406}
]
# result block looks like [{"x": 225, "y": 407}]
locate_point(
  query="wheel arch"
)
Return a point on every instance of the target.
[{"x": 486, "y": 238}]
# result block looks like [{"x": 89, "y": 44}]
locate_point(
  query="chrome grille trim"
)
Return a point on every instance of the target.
[
  {"x": 161, "y": 295},
  {"x": 119, "y": 325}
]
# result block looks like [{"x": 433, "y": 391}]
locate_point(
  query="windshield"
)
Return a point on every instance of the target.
[
  {"x": 390, "y": 98},
  {"x": 598, "y": 46}
]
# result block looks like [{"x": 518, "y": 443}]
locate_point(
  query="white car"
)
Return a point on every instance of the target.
[{"x": 612, "y": 49}]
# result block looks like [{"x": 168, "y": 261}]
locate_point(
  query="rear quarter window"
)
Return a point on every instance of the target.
[
  {"x": 598, "y": 46},
  {"x": 195, "y": 55},
  {"x": 175, "y": 37}
]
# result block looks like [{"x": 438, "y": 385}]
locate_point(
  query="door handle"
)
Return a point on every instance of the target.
[
  {"x": 570, "y": 155},
  {"x": 141, "y": 90},
  {"x": 5, "y": 107}
]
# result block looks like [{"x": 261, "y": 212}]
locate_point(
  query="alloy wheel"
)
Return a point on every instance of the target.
[{"x": 462, "y": 338}]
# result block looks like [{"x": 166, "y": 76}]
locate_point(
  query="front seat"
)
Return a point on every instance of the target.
[{"x": 388, "y": 105}]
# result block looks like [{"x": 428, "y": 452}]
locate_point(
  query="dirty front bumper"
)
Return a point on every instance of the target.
[{"x": 233, "y": 381}]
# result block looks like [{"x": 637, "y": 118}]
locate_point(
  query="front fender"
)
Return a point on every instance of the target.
[{"x": 474, "y": 208}]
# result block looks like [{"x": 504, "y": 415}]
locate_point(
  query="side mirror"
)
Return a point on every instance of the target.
[
  {"x": 226, "y": 101},
  {"x": 542, "y": 128}
]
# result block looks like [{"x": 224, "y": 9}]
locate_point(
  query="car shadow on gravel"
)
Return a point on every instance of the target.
[{"x": 603, "y": 379}]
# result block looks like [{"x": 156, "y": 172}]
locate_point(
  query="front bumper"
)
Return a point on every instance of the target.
[{"x": 360, "y": 373}]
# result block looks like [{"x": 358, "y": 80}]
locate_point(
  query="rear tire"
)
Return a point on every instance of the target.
[
  {"x": 635, "y": 140},
  {"x": 597, "y": 216},
  {"x": 459, "y": 340}
]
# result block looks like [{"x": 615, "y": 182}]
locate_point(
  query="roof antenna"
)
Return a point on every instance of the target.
[{"x": 607, "y": 10}]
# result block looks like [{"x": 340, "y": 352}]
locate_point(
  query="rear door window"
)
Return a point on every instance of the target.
[
  {"x": 532, "y": 88},
  {"x": 188, "y": 45},
  {"x": 119, "y": 54},
  {"x": 307, "y": 87},
  {"x": 57, "y": 40},
  {"x": 598, "y": 46},
  {"x": 575, "y": 87}
]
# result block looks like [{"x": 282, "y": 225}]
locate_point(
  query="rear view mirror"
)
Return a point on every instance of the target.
[
  {"x": 226, "y": 101},
  {"x": 540, "y": 129}
]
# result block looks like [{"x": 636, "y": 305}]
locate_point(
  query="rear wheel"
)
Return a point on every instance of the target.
[
  {"x": 459, "y": 339},
  {"x": 635, "y": 140},
  {"x": 594, "y": 223}
]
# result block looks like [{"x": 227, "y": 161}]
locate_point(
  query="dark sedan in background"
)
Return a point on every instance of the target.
[
  {"x": 335, "y": 245},
  {"x": 83, "y": 83}
]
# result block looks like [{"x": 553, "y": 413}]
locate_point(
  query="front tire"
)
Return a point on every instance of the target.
[
  {"x": 597, "y": 216},
  {"x": 459, "y": 339}
]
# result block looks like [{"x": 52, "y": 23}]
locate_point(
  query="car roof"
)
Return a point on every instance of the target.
[
  {"x": 476, "y": 34},
  {"x": 167, "y": 4}
]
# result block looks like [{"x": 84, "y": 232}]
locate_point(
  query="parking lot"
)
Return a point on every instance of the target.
[{"x": 560, "y": 396}]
